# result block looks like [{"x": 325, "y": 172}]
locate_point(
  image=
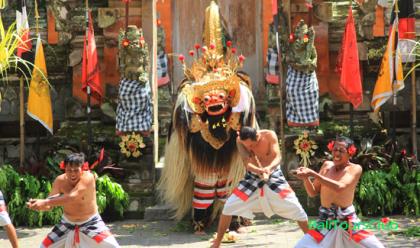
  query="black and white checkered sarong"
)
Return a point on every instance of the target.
[
  {"x": 162, "y": 68},
  {"x": 134, "y": 111},
  {"x": 302, "y": 97},
  {"x": 252, "y": 182},
  {"x": 272, "y": 76},
  {"x": 162, "y": 65},
  {"x": 94, "y": 228}
]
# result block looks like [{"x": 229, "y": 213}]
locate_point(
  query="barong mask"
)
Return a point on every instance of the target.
[
  {"x": 212, "y": 86},
  {"x": 213, "y": 91},
  {"x": 214, "y": 100}
]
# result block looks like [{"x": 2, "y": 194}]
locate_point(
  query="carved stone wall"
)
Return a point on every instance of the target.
[{"x": 62, "y": 26}]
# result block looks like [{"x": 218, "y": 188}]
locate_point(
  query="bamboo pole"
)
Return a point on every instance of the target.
[
  {"x": 414, "y": 112},
  {"x": 351, "y": 122},
  {"x": 282, "y": 82},
  {"x": 22, "y": 121},
  {"x": 22, "y": 115},
  {"x": 155, "y": 85},
  {"x": 394, "y": 83}
]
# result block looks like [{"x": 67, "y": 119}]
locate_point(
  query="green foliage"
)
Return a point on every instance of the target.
[
  {"x": 10, "y": 39},
  {"x": 410, "y": 188},
  {"x": 375, "y": 194},
  {"x": 18, "y": 189},
  {"x": 110, "y": 194},
  {"x": 389, "y": 191}
]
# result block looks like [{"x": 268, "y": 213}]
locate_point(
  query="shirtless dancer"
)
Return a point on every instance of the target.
[
  {"x": 336, "y": 182},
  {"x": 264, "y": 188},
  {"x": 81, "y": 225}
]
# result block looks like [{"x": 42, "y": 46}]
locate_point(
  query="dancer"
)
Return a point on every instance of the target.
[
  {"x": 336, "y": 182},
  {"x": 264, "y": 188},
  {"x": 81, "y": 225}
]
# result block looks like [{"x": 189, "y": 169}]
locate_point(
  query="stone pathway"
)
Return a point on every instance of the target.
[{"x": 264, "y": 233}]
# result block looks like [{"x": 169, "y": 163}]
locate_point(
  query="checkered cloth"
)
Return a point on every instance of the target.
[
  {"x": 162, "y": 68},
  {"x": 272, "y": 76},
  {"x": 252, "y": 182},
  {"x": 94, "y": 228},
  {"x": 330, "y": 219},
  {"x": 134, "y": 111},
  {"x": 302, "y": 98}
]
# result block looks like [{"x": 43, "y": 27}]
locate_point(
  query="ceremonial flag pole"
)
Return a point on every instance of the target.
[
  {"x": 414, "y": 112},
  {"x": 91, "y": 82},
  {"x": 275, "y": 13},
  {"x": 88, "y": 89},
  {"x": 155, "y": 86},
  {"x": 23, "y": 49}
]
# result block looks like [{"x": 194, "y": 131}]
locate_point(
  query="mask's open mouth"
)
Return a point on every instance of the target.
[{"x": 216, "y": 108}]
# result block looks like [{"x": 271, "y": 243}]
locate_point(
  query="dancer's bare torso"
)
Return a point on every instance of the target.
[
  {"x": 264, "y": 148},
  {"x": 84, "y": 206},
  {"x": 343, "y": 198}
]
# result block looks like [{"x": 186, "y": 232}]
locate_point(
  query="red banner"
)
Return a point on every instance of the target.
[
  {"x": 90, "y": 66},
  {"x": 348, "y": 64}
]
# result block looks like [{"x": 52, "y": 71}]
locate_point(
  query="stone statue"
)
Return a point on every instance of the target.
[
  {"x": 133, "y": 55},
  {"x": 367, "y": 14},
  {"x": 301, "y": 52},
  {"x": 134, "y": 111}
]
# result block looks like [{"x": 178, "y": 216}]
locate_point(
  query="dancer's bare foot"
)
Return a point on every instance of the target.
[{"x": 215, "y": 243}]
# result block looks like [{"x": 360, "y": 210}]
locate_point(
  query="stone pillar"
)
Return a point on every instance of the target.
[{"x": 139, "y": 181}]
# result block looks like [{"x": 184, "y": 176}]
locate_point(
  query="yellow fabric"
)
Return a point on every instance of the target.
[
  {"x": 385, "y": 83},
  {"x": 3, "y": 4},
  {"x": 39, "y": 100}
]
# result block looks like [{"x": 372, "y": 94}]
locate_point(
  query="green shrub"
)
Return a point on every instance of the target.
[
  {"x": 389, "y": 191},
  {"x": 110, "y": 194},
  {"x": 19, "y": 188}
]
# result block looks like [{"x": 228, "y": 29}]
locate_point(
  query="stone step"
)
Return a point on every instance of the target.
[{"x": 157, "y": 212}]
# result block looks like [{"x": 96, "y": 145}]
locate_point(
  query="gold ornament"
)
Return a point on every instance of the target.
[
  {"x": 305, "y": 148},
  {"x": 197, "y": 125},
  {"x": 131, "y": 144}
]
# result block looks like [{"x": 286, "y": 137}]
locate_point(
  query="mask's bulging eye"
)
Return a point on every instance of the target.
[
  {"x": 221, "y": 96},
  {"x": 206, "y": 98}
]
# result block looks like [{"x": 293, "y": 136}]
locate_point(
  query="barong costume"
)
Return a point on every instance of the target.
[
  {"x": 92, "y": 233},
  {"x": 214, "y": 101},
  {"x": 338, "y": 228},
  {"x": 275, "y": 196}
]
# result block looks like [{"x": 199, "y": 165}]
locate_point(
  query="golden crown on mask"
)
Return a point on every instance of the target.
[{"x": 211, "y": 68}]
